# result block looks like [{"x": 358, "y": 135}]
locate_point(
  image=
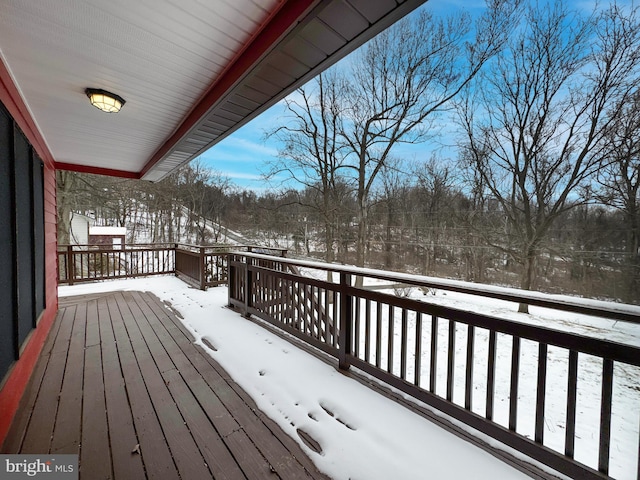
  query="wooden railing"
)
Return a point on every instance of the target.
[
  {"x": 201, "y": 266},
  {"x": 86, "y": 263},
  {"x": 451, "y": 359},
  {"x": 206, "y": 267}
]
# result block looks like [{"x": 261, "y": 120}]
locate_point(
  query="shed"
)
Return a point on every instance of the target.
[{"x": 108, "y": 236}]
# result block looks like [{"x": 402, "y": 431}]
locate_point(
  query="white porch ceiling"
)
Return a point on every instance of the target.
[{"x": 166, "y": 58}]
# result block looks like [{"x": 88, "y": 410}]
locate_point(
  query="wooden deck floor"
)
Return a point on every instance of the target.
[{"x": 120, "y": 373}]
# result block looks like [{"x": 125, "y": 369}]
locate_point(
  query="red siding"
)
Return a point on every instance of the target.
[{"x": 20, "y": 373}]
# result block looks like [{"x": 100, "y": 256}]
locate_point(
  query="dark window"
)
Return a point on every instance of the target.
[
  {"x": 23, "y": 234},
  {"x": 7, "y": 287},
  {"x": 38, "y": 236},
  {"x": 22, "y": 262}
]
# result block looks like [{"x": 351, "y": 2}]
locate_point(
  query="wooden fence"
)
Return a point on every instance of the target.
[{"x": 450, "y": 358}]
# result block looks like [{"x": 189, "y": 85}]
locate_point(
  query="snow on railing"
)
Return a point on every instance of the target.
[{"x": 545, "y": 384}]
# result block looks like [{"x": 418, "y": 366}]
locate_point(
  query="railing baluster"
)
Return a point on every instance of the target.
[
  {"x": 605, "y": 416},
  {"x": 541, "y": 390},
  {"x": 403, "y": 346},
  {"x": 346, "y": 322},
  {"x": 356, "y": 333},
  {"x": 71, "y": 270},
  {"x": 572, "y": 383},
  {"x": 451, "y": 359},
  {"x": 281, "y": 292},
  {"x": 513, "y": 391},
  {"x": 308, "y": 313},
  {"x": 468, "y": 383},
  {"x": 299, "y": 314},
  {"x": 318, "y": 300},
  {"x": 433, "y": 367},
  {"x": 390, "y": 339},
  {"x": 311, "y": 311},
  {"x": 336, "y": 324},
  {"x": 491, "y": 374},
  {"x": 327, "y": 319},
  {"x": 367, "y": 331},
  {"x": 289, "y": 303},
  {"x": 418, "y": 357},
  {"x": 271, "y": 294},
  {"x": 303, "y": 312},
  {"x": 378, "y": 334}
]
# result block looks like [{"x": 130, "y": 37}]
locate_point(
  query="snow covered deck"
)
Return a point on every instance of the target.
[{"x": 121, "y": 383}]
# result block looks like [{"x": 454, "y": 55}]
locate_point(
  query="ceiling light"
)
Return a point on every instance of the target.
[{"x": 105, "y": 101}]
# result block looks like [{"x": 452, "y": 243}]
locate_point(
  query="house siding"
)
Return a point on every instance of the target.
[{"x": 39, "y": 304}]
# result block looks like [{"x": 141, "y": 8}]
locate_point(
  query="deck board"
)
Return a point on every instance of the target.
[
  {"x": 255, "y": 424},
  {"x": 149, "y": 433},
  {"x": 37, "y": 437},
  {"x": 68, "y": 423},
  {"x": 119, "y": 371}
]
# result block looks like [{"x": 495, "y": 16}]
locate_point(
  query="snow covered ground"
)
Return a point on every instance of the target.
[{"x": 364, "y": 435}]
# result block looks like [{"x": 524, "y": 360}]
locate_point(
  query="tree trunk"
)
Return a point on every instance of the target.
[
  {"x": 528, "y": 275},
  {"x": 65, "y": 186}
]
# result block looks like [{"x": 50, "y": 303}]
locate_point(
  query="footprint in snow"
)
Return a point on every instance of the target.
[
  {"x": 338, "y": 419},
  {"x": 209, "y": 343}
]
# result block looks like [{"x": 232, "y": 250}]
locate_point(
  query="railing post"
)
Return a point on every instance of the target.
[
  {"x": 203, "y": 270},
  {"x": 70, "y": 269},
  {"x": 346, "y": 322},
  {"x": 231, "y": 281},
  {"x": 247, "y": 287},
  {"x": 175, "y": 258}
]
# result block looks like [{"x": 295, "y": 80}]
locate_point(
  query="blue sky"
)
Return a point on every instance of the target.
[{"x": 243, "y": 156}]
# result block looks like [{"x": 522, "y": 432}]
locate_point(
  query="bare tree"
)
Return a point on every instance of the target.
[
  {"x": 392, "y": 201},
  {"x": 203, "y": 192},
  {"x": 535, "y": 122},
  {"x": 435, "y": 181},
  {"x": 402, "y": 78},
  {"x": 66, "y": 191},
  {"x": 311, "y": 154},
  {"x": 620, "y": 181}
]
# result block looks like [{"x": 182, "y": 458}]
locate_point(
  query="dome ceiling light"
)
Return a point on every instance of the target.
[{"x": 105, "y": 101}]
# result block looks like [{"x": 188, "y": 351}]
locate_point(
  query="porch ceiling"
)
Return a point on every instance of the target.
[{"x": 191, "y": 72}]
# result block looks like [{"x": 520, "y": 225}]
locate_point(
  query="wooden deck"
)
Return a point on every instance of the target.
[{"x": 120, "y": 375}]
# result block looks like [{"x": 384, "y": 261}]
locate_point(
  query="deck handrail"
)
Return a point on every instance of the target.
[{"x": 363, "y": 321}]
